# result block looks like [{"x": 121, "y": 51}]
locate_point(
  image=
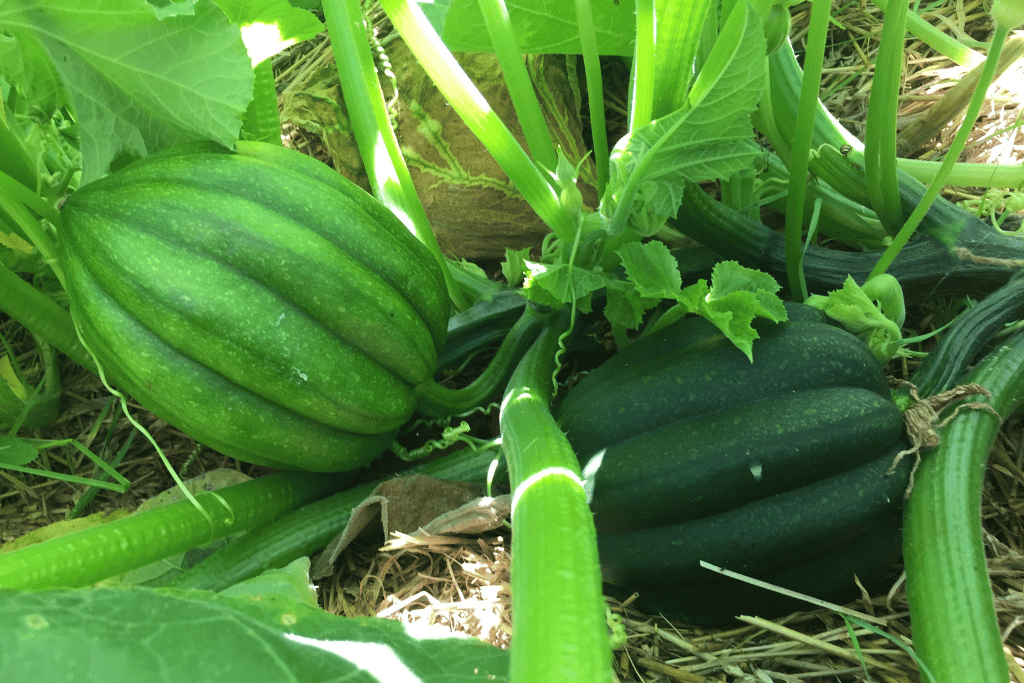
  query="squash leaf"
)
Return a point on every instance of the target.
[
  {"x": 735, "y": 297},
  {"x": 540, "y": 27},
  {"x": 14, "y": 451},
  {"x": 873, "y": 312},
  {"x": 652, "y": 269},
  {"x": 270, "y": 26},
  {"x": 711, "y": 136},
  {"x": 139, "y": 634},
  {"x": 549, "y": 285},
  {"x": 625, "y": 306},
  {"x": 138, "y": 76}
]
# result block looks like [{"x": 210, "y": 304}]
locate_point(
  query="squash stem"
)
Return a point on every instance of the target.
[
  {"x": 942, "y": 262},
  {"x": 595, "y": 90},
  {"x": 806, "y": 113},
  {"x": 479, "y": 117},
  {"x": 880, "y": 130},
  {"x": 952, "y": 154},
  {"x": 378, "y": 146},
  {"x": 42, "y": 317},
  {"x": 438, "y": 401},
  {"x": 520, "y": 87},
  {"x": 559, "y": 633},
  {"x": 956, "y": 632},
  {"x": 85, "y": 557}
]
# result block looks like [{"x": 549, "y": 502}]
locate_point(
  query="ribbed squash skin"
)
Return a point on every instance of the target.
[
  {"x": 257, "y": 300},
  {"x": 690, "y": 452}
]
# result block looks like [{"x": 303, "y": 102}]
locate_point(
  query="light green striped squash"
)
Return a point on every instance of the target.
[{"x": 257, "y": 301}]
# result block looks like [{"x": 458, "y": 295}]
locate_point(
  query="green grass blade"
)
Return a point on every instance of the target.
[
  {"x": 90, "y": 493},
  {"x": 925, "y": 671}
]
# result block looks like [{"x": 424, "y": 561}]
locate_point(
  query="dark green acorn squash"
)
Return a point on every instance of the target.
[
  {"x": 771, "y": 469},
  {"x": 256, "y": 300}
]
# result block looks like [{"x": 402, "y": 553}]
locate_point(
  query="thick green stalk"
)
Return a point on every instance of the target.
[
  {"x": 880, "y": 130},
  {"x": 801, "y": 147},
  {"x": 40, "y": 239},
  {"x": 966, "y": 174},
  {"x": 42, "y": 317},
  {"x": 936, "y": 39},
  {"x": 956, "y": 632},
  {"x": 477, "y": 114},
  {"x": 378, "y": 146},
  {"x": 85, "y": 557},
  {"x": 559, "y": 631},
  {"x": 843, "y": 219},
  {"x": 642, "y": 84},
  {"x": 678, "y": 35},
  {"x": 842, "y": 173},
  {"x": 18, "y": 192},
  {"x": 520, "y": 87},
  {"x": 592, "y": 69},
  {"x": 952, "y": 154},
  {"x": 438, "y": 401},
  {"x": 942, "y": 263},
  {"x": 785, "y": 80},
  {"x": 14, "y": 160}
]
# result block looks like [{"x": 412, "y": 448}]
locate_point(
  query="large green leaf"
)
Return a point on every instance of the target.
[
  {"x": 540, "y": 26},
  {"x": 139, "y": 77},
  {"x": 710, "y": 137},
  {"x": 142, "y": 635},
  {"x": 270, "y": 26}
]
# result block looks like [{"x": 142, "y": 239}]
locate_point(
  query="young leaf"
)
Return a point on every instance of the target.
[
  {"x": 729, "y": 278},
  {"x": 138, "y": 76},
  {"x": 625, "y": 306},
  {"x": 514, "y": 265},
  {"x": 549, "y": 284},
  {"x": 652, "y": 269},
  {"x": 709, "y": 137},
  {"x": 855, "y": 308},
  {"x": 10, "y": 378},
  {"x": 736, "y": 296}
]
